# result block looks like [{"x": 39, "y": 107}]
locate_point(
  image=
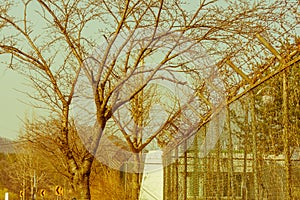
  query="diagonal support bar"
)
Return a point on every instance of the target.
[
  {"x": 240, "y": 72},
  {"x": 269, "y": 46}
]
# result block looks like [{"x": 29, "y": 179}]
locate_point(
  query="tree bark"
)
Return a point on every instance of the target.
[
  {"x": 218, "y": 170},
  {"x": 81, "y": 179},
  {"x": 84, "y": 189},
  {"x": 244, "y": 177},
  {"x": 231, "y": 192},
  {"x": 134, "y": 183},
  {"x": 254, "y": 146},
  {"x": 81, "y": 184},
  {"x": 135, "y": 189},
  {"x": 287, "y": 152}
]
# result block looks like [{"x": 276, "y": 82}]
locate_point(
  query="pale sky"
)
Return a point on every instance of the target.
[
  {"x": 12, "y": 110},
  {"x": 11, "y": 107}
]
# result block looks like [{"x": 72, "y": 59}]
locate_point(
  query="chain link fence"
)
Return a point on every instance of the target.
[{"x": 256, "y": 154}]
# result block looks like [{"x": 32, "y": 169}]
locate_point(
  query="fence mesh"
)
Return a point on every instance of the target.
[{"x": 256, "y": 154}]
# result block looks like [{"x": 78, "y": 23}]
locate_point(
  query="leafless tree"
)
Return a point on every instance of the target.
[{"x": 51, "y": 41}]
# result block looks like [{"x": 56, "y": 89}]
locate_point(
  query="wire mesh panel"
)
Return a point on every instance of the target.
[{"x": 256, "y": 154}]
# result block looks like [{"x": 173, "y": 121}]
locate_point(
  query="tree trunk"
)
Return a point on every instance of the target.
[
  {"x": 254, "y": 146},
  {"x": 231, "y": 192},
  {"x": 81, "y": 180},
  {"x": 185, "y": 190},
  {"x": 218, "y": 170},
  {"x": 244, "y": 177},
  {"x": 286, "y": 142},
  {"x": 84, "y": 189},
  {"x": 81, "y": 187},
  {"x": 134, "y": 183}
]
